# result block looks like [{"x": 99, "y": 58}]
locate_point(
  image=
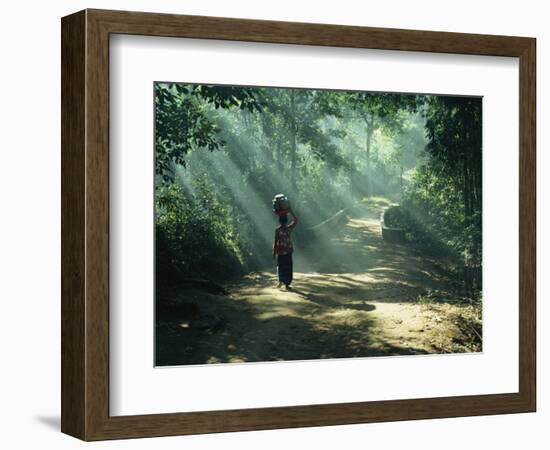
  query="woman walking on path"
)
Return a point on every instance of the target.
[{"x": 282, "y": 248}]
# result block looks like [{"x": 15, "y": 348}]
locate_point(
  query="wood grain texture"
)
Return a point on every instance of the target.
[
  {"x": 85, "y": 224},
  {"x": 527, "y": 224},
  {"x": 267, "y": 31},
  {"x": 73, "y": 318},
  {"x": 97, "y": 225}
]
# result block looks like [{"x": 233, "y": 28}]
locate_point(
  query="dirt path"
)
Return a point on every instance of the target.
[{"x": 358, "y": 297}]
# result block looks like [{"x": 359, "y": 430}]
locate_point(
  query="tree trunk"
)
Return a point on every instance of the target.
[
  {"x": 293, "y": 140},
  {"x": 465, "y": 185},
  {"x": 368, "y": 144},
  {"x": 279, "y": 154}
]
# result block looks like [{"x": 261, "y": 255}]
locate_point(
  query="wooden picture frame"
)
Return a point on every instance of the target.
[{"x": 85, "y": 224}]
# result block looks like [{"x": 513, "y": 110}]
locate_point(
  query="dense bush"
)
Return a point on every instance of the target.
[
  {"x": 195, "y": 234},
  {"x": 397, "y": 217},
  {"x": 436, "y": 209}
]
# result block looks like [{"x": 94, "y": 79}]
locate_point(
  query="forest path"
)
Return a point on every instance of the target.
[{"x": 356, "y": 296}]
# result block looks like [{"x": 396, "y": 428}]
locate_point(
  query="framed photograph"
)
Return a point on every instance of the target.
[{"x": 273, "y": 225}]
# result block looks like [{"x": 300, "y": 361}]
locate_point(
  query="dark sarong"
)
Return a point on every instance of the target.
[{"x": 284, "y": 268}]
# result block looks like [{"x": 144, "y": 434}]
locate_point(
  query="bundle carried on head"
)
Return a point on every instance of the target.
[{"x": 281, "y": 205}]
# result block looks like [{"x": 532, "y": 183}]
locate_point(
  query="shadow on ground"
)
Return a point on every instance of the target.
[{"x": 354, "y": 295}]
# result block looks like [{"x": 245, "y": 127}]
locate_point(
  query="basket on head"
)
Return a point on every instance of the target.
[{"x": 281, "y": 205}]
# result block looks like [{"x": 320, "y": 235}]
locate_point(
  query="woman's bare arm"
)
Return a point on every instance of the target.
[{"x": 294, "y": 219}]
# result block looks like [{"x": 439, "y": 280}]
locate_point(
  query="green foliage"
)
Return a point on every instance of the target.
[
  {"x": 445, "y": 194},
  {"x": 436, "y": 210},
  {"x": 397, "y": 217},
  {"x": 454, "y": 133},
  {"x": 195, "y": 234},
  {"x": 183, "y": 120}
]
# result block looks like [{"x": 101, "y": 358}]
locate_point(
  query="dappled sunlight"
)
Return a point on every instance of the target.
[
  {"x": 374, "y": 311},
  {"x": 279, "y": 311},
  {"x": 342, "y": 317},
  {"x": 357, "y": 296},
  {"x": 362, "y": 224},
  {"x": 344, "y": 160}
]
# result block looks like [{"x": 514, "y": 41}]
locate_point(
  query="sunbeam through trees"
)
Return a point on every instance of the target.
[{"x": 385, "y": 192}]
